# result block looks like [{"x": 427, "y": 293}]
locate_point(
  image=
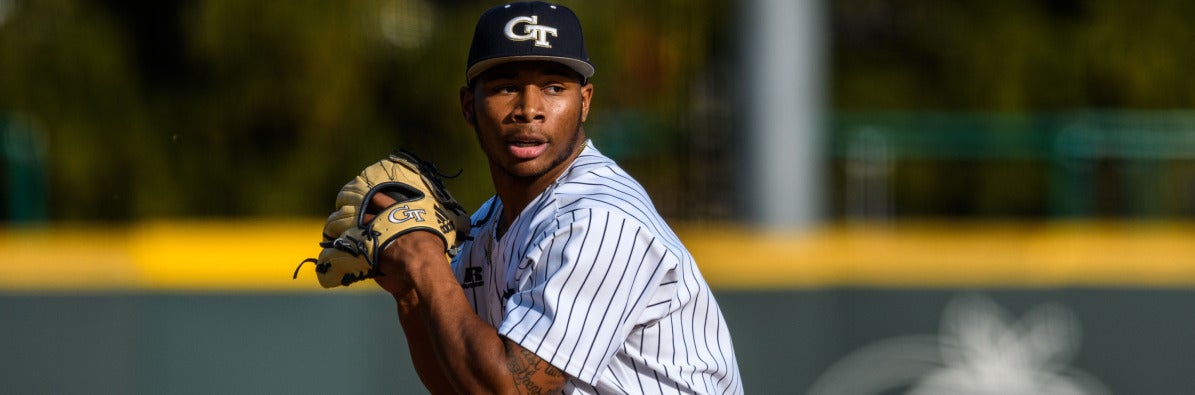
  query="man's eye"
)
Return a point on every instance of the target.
[
  {"x": 505, "y": 89},
  {"x": 554, "y": 89}
]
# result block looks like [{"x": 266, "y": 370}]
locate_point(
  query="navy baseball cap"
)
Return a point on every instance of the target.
[{"x": 528, "y": 31}]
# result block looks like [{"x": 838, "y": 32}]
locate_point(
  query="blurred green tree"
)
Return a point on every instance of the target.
[{"x": 221, "y": 108}]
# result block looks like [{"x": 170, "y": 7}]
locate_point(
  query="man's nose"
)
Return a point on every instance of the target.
[{"x": 530, "y": 105}]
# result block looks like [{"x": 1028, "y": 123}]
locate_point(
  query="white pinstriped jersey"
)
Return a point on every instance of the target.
[{"x": 591, "y": 279}]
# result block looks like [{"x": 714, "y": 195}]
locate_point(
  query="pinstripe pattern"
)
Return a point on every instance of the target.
[{"x": 591, "y": 279}]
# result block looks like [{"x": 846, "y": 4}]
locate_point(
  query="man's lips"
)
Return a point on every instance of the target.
[{"x": 525, "y": 149}]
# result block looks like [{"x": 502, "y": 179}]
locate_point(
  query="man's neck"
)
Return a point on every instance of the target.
[{"x": 516, "y": 193}]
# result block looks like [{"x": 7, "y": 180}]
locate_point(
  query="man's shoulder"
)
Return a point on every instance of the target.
[
  {"x": 595, "y": 187},
  {"x": 589, "y": 160},
  {"x": 604, "y": 188},
  {"x": 608, "y": 194},
  {"x": 593, "y": 174}
]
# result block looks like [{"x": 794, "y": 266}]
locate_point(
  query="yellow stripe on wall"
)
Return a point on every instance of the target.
[
  {"x": 951, "y": 255},
  {"x": 262, "y": 255},
  {"x": 200, "y": 256}
]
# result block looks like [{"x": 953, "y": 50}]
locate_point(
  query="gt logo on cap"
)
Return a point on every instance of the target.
[{"x": 531, "y": 31}]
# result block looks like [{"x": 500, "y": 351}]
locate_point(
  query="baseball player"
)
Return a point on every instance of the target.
[{"x": 569, "y": 281}]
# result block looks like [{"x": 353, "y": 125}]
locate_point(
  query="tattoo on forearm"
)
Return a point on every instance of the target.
[{"x": 523, "y": 367}]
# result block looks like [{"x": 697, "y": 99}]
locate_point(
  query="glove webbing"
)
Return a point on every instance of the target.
[{"x": 436, "y": 183}]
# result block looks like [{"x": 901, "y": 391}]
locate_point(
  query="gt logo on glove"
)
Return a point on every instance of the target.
[
  {"x": 352, "y": 244},
  {"x": 408, "y": 215}
]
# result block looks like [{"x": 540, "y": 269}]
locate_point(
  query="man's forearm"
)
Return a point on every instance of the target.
[
  {"x": 452, "y": 348},
  {"x": 475, "y": 358},
  {"x": 470, "y": 353},
  {"x": 427, "y": 365}
]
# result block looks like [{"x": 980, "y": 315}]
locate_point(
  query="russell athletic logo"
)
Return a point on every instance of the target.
[
  {"x": 531, "y": 31},
  {"x": 473, "y": 277}
]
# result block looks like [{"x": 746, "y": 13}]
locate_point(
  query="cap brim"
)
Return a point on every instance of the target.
[{"x": 581, "y": 67}]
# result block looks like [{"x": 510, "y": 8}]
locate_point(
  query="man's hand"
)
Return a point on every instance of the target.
[{"x": 405, "y": 254}]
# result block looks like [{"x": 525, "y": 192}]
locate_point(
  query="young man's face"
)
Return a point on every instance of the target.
[{"x": 528, "y": 116}]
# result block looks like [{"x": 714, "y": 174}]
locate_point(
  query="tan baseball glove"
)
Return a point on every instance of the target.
[{"x": 352, "y": 246}]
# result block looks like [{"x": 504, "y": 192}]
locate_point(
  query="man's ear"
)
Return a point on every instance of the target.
[
  {"x": 467, "y": 110},
  {"x": 586, "y": 97}
]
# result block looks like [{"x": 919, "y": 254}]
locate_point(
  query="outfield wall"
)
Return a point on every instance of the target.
[{"x": 205, "y": 308}]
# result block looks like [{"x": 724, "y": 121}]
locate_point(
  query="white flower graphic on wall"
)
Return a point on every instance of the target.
[{"x": 981, "y": 350}]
